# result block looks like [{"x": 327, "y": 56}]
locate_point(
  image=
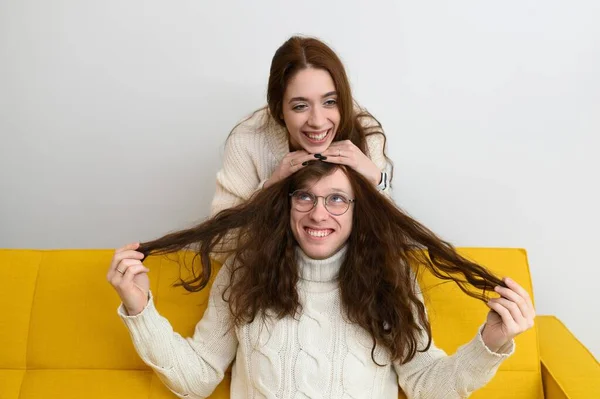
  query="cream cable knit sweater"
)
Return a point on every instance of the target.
[
  {"x": 253, "y": 151},
  {"x": 316, "y": 355}
]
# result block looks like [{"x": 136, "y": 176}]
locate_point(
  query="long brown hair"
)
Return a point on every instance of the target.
[{"x": 377, "y": 286}]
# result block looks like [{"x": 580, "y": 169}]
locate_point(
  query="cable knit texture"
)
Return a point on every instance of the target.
[
  {"x": 317, "y": 354},
  {"x": 254, "y": 149}
]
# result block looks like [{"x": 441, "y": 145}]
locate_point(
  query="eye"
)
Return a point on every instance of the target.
[
  {"x": 304, "y": 196},
  {"x": 299, "y": 107},
  {"x": 337, "y": 199},
  {"x": 331, "y": 102}
]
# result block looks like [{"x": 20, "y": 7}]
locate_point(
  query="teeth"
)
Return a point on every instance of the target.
[
  {"x": 318, "y": 233},
  {"x": 317, "y": 137}
]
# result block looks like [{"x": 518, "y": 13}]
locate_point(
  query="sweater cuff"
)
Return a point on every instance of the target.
[
  {"x": 504, "y": 351},
  {"x": 123, "y": 312},
  {"x": 150, "y": 333},
  {"x": 479, "y": 357}
]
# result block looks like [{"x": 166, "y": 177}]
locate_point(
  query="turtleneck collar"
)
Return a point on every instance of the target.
[{"x": 323, "y": 270}]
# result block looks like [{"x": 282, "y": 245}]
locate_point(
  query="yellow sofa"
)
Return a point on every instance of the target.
[{"x": 60, "y": 336}]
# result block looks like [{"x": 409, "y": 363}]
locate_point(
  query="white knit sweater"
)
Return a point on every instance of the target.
[
  {"x": 254, "y": 149},
  {"x": 318, "y": 354}
]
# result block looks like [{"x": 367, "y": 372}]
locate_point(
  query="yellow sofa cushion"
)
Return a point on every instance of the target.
[
  {"x": 73, "y": 322},
  {"x": 18, "y": 275},
  {"x": 576, "y": 376},
  {"x": 64, "y": 338},
  {"x": 10, "y": 383}
]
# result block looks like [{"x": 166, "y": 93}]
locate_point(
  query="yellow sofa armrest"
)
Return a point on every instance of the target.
[{"x": 569, "y": 370}]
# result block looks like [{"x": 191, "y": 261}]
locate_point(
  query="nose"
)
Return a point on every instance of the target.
[
  {"x": 319, "y": 213},
  {"x": 316, "y": 118}
]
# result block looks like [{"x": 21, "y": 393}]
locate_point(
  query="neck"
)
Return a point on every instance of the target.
[{"x": 320, "y": 270}]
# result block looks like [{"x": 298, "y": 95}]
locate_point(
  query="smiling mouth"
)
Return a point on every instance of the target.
[
  {"x": 318, "y": 233},
  {"x": 317, "y": 137}
]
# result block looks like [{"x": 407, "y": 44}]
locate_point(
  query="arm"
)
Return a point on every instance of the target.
[
  {"x": 376, "y": 146},
  {"x": 434, "y": 374},
  {"x": 238, "y": 179},
  {"x": 189, "y": 367}
]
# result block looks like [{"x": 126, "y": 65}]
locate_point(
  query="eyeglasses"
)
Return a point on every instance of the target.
[{"x": 336, "y": 204}]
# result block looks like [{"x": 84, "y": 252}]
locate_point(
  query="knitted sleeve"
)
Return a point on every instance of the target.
[
  {"x": 189, "y": 367},
  {"x": 238, "y": 179},
  {"x": 375, "y": 148},
  {"x": 434, "y": 374}
]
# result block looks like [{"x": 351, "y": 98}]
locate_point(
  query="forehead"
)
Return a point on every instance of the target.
[
  {"x": 334, "y": 182},
  {"x": 308, "y": 82}
]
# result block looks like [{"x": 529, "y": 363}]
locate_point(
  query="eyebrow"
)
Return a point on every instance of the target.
[
  {"x": 331, "y": 93},
  {"x": 339, "y": 191}
]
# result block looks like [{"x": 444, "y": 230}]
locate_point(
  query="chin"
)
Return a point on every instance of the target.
[
  {"x": 318, "y": 253},
  {"x": 312, "y": 149}
]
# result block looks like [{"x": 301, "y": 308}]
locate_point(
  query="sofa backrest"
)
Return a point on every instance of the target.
[{"x": 57, "y": 311}]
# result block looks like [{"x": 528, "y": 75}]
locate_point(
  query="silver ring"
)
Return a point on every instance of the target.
[
  {"x": 120, "y": 271},
  {"x": 291, "y": 163}
]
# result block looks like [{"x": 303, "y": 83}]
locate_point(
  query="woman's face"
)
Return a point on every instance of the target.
[
  {"x": 310, "y": 110},
  {"x": 319, "y": 233}
]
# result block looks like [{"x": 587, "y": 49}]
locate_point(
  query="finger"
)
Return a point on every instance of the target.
[
  {"x": 305, "y": 160},
  {"x": 338, "y": 151},
  {"x": 513, "y": 309},
  {"x": 125, "y": 253},
  {"x": 293, "y": 164},
  {"x": 350, "y": 161},
  {"x": 302, "y": 161},
  {"x": 291, "y": 157},
  {"x": 119, "y": 271},
  {"x": 126, "y": 264},
  {"x": 128, "y": 254},
  {"x": 513, "y": 285},
  {"x": 131, "y": 246},
  {"x": 340, "y": 161},
  {"x": 132, "y": 272},
  {"x": 504, "y": 313},
  {"x": 516, "y": 298},
  {"x": 115, "y": 276},
  {"x": 335, "y": 153}
]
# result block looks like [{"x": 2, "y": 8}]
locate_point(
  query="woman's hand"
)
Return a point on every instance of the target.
[
  {"x": 289, "y": 165},
  {"x": 511, "y": 314},
  {"x": 129, "y": 277},
  {"x": 346, "y": 153}
]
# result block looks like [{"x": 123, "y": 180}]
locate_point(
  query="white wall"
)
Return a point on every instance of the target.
[{"x": 113, "y": 117}]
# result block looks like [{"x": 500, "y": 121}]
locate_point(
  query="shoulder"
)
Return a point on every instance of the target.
[
  {"x": 256, "y": 122},
  {"x": 252, "y": 130},
  {"x": 248, "y": 130},
  {"x": 259, "y": 134},
  {"x": 376, "y": 143},
  {"x": 375, "y": 136},
  {"x": 366, "y": 119}
]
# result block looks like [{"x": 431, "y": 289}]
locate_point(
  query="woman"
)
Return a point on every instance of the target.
[
  {"x": 310, "y": 113},
  {"x": 318, "y": 299}
]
